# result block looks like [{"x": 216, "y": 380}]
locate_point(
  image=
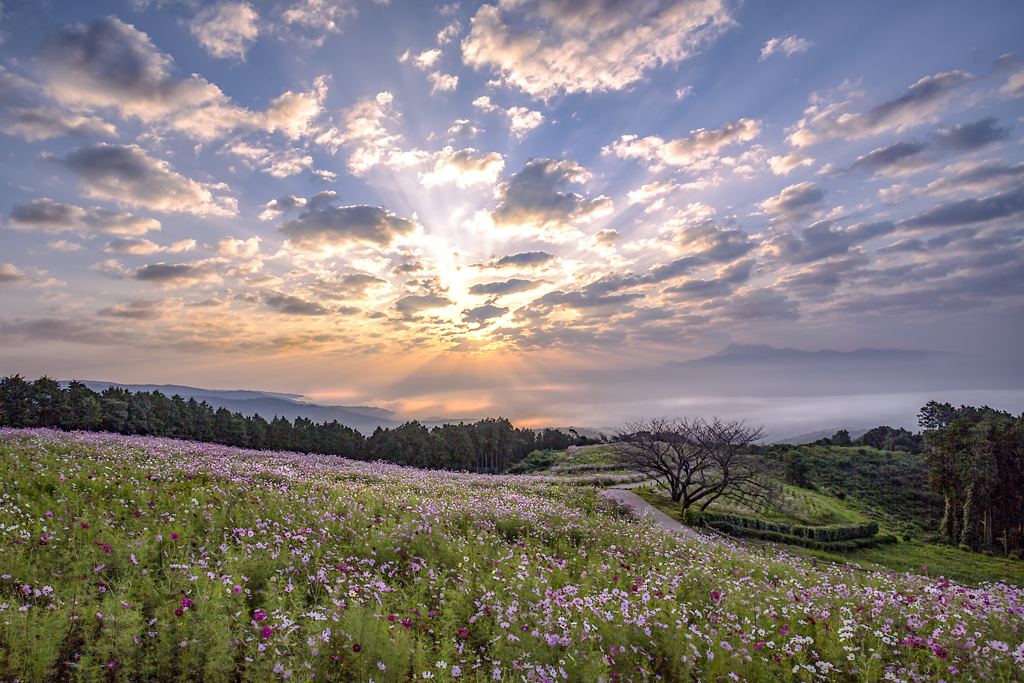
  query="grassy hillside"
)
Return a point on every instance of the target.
[
  {"x": 854, "y": 485},
  {"x": 145, "y": 559},
  {"x": 889, "y": 487}
]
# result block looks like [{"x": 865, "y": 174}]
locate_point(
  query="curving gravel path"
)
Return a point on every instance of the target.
[{"x": 622, "y": 493}]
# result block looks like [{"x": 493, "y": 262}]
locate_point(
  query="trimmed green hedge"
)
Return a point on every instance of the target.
[{"x": 841, "y": 538}]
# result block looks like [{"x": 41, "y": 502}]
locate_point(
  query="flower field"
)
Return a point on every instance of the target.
[{"x": 137, "y": 558}]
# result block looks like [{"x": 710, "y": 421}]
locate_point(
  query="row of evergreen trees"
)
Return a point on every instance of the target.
[
  {"x": 883, "y": 438},
  {"x": 491, "y": 445},
  {"x": 976, "y": 461}
]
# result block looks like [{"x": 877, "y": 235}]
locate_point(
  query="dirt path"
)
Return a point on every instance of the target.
[{"x": 622, "y": 493}]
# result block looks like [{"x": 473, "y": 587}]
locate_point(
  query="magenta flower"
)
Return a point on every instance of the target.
[
  {"x": 266, "y": 632},
  {"x": 174, "y": 537},
  {"x": 259, "y": 616},
  {"x": 237, "y": 589}
]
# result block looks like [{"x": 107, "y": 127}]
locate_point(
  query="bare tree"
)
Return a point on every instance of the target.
[
  {"x": 740, "y": 477},
  {"x": 700, "y": 461}
]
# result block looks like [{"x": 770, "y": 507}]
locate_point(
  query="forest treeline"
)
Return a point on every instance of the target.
[
  {"x": 491, "y": 445},
  {"x": 976, "y": 462}
]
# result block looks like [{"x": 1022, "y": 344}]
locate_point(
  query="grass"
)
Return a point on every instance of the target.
[
  {"x": 146, "y": 559},
  {"x": 889, "y": 487},
  {"x": 911, "y": 556}
]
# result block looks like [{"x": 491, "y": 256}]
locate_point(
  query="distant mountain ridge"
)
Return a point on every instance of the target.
[
  {"x": 811, "y": 437},
  {"x": 758, "y": 354}
]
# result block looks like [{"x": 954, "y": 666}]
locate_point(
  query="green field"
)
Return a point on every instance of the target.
[{"x": 149, "y": 559}]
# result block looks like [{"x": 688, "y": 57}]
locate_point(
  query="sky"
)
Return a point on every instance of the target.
[{"x": 513, "y": 208}]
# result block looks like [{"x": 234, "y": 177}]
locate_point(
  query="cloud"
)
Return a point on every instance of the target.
[
  {"x": 794, "y": 203},
  {"x": 138, "y": 246},
  {"x": 226, "y": 30},
  {"x": 449, "y": 33},
  {"x": 597, "y": 299},
  {"x": 820, "y": 280},
  {"x": 894, "y": 194},
  {"x": 726, "y": 282},
  {"x": 74, "y": 331},
  {"x": 323, "y": 227},
  {"x": 442, "y": 82},
  {"x": 294, "y": 305},
  {"x": 590, "y": 45},
  {"x": 970, "y": 211},
  {"x": 179, "y": 274},
  {"x": 481, "y": 314},
  {"x": 241, "y": 249},
  {"x": 43, "y": 123},
  {"x": 918, "y": 105},
  {"x": 463, "y": 129},
  {"x": 15, "y": 91},
  {"x": 521, "y": 119},
  {"x": 64, "y": 245},
  {"x": 126, "y": 174},
  {"x": 530, "y": 199},
  {"x": 409, "y": 268},
  {"x": 46, "y": 215},
  {"x": 790, "y": 46},
  {"x": 464, "y": 168},
  {"x": 413, "y": 304},
  {"x": 276, "y": 207},
  {"x": 324, "y": 176},
  {"x": 363, "y": 131},
  {"x": 323, "y": 15},
  {"x": 425, "y": 60},
  {"x": 11, "y": 274},
  {"x": 713, "y": 243},
  {"x": 141, "y": 309},
  {"x": 526, "y": 260},
  {"x": 701, "y": 147},
  {"x": 901, "y": 158},
  {"x": 1014, "y": 86},
  {"x": 165, "y": 275},
  {"x": 914, "y": 244},
  {"x": 760, "y": 304},
  {"x": 354, "y": 286},
  {"x": 990, "y": 175},
  {"x": 513, "y": 286},
  {"x": 909, "y": 156},
  {"x": 824, "y": 239},
  {"x": 971, "y": 136},
  {"x": 605, "y": 239},
  {"x": 650, "y": 191},
  {"x": 111, "y": 64},
  {"x": 783, "y": 165},
  {"x": 287, "y": 163}
]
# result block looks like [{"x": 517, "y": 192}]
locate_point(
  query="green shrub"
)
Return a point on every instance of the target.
[{"x": 841, "y": 538}]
